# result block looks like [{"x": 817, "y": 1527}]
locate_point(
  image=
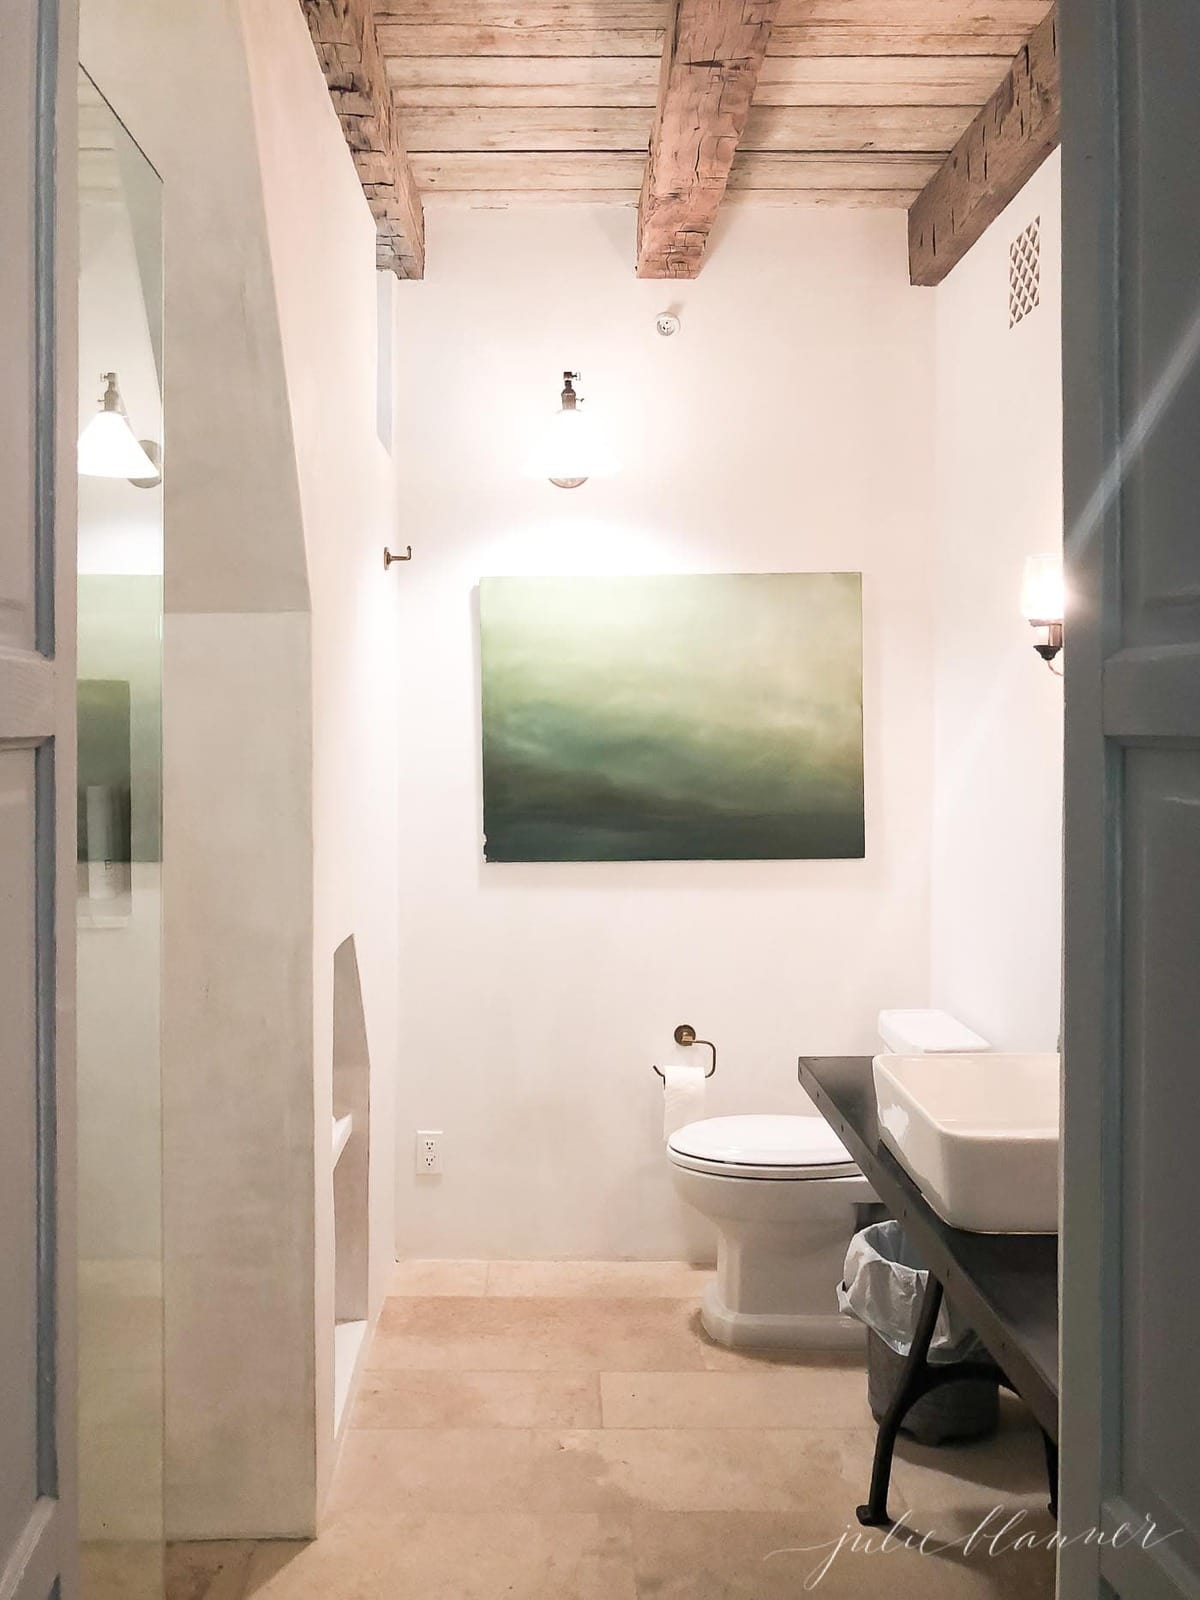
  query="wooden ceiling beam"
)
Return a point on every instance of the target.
[
  {"x": 711, "y": 58},
  {"x": 347, "y": 46},
  {"x": 1000, "y": 151}
]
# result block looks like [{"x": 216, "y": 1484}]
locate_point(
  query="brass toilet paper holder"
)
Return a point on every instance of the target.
[{"x": 685, "y": 1034}]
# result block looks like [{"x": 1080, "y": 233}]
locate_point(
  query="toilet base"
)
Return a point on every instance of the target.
[
  {"x": 773, "y": 1330},
  {"x": 781, "y": 1247}
]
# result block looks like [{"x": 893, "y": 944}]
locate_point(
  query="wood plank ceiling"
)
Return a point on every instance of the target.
[{"x": 858, "y": 102}]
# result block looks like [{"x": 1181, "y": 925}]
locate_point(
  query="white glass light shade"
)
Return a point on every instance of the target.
[
  {"x": 570, "y": 448},
  {"x": 1042, "y": 594},
  {"x": 567, "y": 448},
  {"x": 108, "y": 448}
]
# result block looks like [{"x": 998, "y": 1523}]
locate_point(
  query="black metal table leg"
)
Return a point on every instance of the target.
[
  {"x": 911, "y": 1387},
  {"x": 1051, "y": 1471}
]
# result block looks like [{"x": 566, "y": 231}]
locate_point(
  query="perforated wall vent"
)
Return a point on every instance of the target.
[{"x": 1025, "y": 272}]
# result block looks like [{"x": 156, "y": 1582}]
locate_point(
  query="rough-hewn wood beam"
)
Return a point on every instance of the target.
[
  {"x": 343, "y": 32},
  {"x": 711, "y": 57},
  {"x": 999, "y": 152}
]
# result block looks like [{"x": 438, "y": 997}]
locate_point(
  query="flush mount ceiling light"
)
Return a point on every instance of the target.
[
  {"x": 1042, "y": 603},
  {"x": 108, "y": 446}
]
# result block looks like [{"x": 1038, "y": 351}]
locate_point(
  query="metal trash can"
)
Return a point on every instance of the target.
[{"x": 883, "y": 1286}]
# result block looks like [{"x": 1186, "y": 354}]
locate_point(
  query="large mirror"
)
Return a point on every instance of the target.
[{"x": 120, "y": 858}]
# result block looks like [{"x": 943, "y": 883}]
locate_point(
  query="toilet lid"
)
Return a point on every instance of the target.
[{"x": 767, "y": 1142}]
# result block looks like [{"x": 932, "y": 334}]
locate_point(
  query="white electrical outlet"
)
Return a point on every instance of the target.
[{"x": 429, "y": 1151}]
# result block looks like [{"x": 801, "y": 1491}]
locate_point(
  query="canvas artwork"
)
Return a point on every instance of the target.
[{"x": 672, "y": 718}]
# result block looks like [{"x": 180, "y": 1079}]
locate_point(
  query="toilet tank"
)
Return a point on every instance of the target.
[{"x": 927, "y": 1033}]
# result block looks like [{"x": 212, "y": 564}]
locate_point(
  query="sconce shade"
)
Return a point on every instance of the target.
[
  {"x": 108, "y": 446},
  {"x": 569, "y": 451},
  {"x": 568, "y": 458},
  {"x": 1042, "y": 593}
]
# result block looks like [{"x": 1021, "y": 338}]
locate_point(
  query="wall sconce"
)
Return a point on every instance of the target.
[
  {"x": 1042, "y": 603},
  {"x": 569, "y": 436},
  {"x": 567, "y": 454},
  {"x": 108, "y": 446}
]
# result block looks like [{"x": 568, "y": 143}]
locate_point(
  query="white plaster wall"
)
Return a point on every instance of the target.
[
  {"x": 238, "y": 1132},
  {"x": 997, "y": 835},
  {"x": 278, "y": 749},
  {"x": 322, "y": 240},
  {"x": 788, "y": 427}
]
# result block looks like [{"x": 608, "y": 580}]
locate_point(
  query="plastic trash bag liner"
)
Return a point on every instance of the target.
[{"x": 883, "y": 1286}]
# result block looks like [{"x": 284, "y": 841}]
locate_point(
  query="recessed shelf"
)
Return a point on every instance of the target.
[
  {"x": 343, "y": 1127},
  {"x": 350, "y": 1179}
]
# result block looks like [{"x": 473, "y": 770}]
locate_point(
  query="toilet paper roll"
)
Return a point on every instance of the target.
[{"x": 683, "y": 1097}]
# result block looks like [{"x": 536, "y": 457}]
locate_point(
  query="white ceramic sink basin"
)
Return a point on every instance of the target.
[{"x": 978, "y": 1133}]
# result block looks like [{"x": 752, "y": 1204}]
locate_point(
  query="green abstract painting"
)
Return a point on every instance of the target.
[{"x": 672, "y": 718}]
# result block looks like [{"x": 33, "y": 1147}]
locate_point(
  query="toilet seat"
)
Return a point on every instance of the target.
[{"x": 762, "y": 1147}]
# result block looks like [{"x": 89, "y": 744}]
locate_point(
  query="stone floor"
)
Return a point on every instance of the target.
[
  {"x": 120, "y": 1409},
  {"x": 567, "y": 1432}
]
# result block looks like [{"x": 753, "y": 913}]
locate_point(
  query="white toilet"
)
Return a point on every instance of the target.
[{"x": 781, "y": 1192}]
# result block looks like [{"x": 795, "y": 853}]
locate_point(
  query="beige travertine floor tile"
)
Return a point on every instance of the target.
[
  {"x": 627, "y": 1280},
  {"x": 121, "y": 1571},
  {"x": 757, "y": 1556},
  {"x": 716, "y": 1357},
  {"x": 695, "y": 1469},
  {"x": 956, "y": 1485},
  {"x": 398, "y": 1555},
  {"x": 209, "y": 1570},
  {"x": 461, "y": 1470},
  {"x": 477, "y": 1400},
  {"x": 611, "y": 1470},
  {"x": 440, "y": 1278},
  {"x": 816, "y": 1395},
  {"x": 531, "y": 1335},
  {"x": 476, "y": 1469}
]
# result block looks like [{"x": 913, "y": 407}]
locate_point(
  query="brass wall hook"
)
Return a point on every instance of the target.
[
  {"x": 388, "y": 557},
  {"x": 685, "y": 1034}
]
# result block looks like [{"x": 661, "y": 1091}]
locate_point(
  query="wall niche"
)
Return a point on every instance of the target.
[{"x": 351, "y": 1173}]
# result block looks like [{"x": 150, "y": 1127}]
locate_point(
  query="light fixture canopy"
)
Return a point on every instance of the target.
[
  {"x": 108, "y": 446},
  {"x": 1043, "y": 601}
]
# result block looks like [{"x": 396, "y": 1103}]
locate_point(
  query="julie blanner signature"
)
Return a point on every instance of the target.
[{"x": 1000, "y": 1533}]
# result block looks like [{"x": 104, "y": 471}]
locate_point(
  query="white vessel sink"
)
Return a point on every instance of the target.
[{"x": 978, "y": 1133}]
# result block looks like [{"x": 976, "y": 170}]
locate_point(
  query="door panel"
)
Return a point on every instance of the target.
[
  {"x": 1130, "y": 1444},
  {"x": 1160, "y": 1457},
  {"x": 18, "y": 46},
  {"x": 37, "y": 1519},
  {"x": 21, "y": 1317},
  {"x": 1159, "y": 245}
]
